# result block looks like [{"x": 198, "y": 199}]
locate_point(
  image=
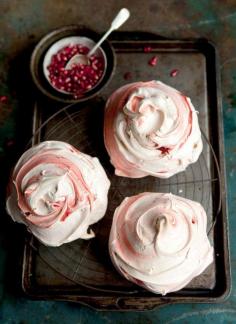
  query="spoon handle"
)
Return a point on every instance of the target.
[
  {"x": 100, "y": 42},
  {"x": 120, "y": 18}
]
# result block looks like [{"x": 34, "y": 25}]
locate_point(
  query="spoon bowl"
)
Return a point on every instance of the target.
[{"x": 77, "y": 59}]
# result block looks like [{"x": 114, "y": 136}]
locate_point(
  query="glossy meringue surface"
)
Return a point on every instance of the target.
[
  {"x": 58, "y": 192},
  {"x": 151, "y": 128},
  {"x": 159, "y": 241}
]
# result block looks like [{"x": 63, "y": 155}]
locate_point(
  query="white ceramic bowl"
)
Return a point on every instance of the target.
[{"x": 73, "y": 40}]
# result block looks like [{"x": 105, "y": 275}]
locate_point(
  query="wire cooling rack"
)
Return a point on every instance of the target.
[{"x": 87, "y": 263}]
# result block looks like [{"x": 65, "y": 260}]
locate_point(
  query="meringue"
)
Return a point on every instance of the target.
[
  {"x": 57, "y": 192},
  {"x": 159, "y": 241},
  {"x": 151, "y": 129}
]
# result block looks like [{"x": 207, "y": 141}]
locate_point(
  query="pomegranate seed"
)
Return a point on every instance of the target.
[
  {"x": 10, "y": 143},
  {"x": 164, "y": 150},
  {"x": 147, "y": 49},
  {"x": 174, "y": 73},
  {"x": 127, "y": 76},
  {"x": 80, "y": 77},
  {"x": 153, "y": 61},
  {"x": 3, "y": 99}
]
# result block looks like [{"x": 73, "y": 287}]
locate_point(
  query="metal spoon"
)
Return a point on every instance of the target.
[{"x": 119, "y": 20}]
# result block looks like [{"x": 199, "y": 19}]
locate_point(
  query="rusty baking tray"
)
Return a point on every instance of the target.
[{"x": 81, "y": 271}]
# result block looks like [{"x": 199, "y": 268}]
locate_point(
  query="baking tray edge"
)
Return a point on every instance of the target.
[{"x": 128, "y": 303}]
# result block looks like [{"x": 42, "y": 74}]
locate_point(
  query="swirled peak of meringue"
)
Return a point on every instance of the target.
[
  {"x": 159, "y": 241},
  {"x": 58, "y": 192},
  {"x": 151, "y": 129}
]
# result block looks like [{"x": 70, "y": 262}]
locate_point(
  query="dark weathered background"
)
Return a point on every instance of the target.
[{"x": 22, "y": 24}]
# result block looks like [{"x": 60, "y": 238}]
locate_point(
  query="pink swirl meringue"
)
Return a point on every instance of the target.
[
  {"x": 159, "y": 241},
  {"x": 151, "y": 129},
  {"x": 58, "y": 192}
]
